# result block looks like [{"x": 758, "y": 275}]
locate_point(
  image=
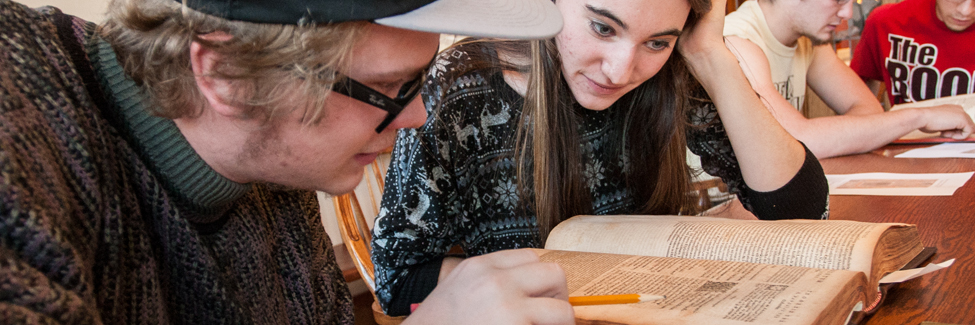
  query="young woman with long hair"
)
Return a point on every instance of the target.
[{"x": 525, "y": 134}]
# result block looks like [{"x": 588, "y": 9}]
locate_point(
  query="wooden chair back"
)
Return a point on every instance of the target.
[
  {"x": 701, "y": 187},
  {"x": 357, "y": 235},
  {"x": 354, "y": 226}
]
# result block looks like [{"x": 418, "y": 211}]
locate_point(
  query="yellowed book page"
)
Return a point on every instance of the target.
[
  {"x": 708, "y": 292},
  {"x": 967, "y": 102},
  {"x": 834, "y": 244}
]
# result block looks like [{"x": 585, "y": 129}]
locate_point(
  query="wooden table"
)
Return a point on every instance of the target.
[{"x": 945, "y": 222}]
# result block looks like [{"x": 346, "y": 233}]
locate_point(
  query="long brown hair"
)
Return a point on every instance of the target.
[{"x": 652, "y": 117}]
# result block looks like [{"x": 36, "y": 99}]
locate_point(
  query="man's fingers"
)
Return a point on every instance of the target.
[
  {"x": 958, "y": 134},
  {"x": 510, "y": 258},
  {"x": 951, "y": 120},
  {"x": 518, "y": 270},
  {"x": 539, "y": 280},
  {"x": 967, "y": 130},
  {"x": 951, "y": 134},
  {"x": 513, "y": 283},
  {"x": 550, "y": 311}
]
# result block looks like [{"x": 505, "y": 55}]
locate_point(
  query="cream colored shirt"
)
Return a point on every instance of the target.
[{"x": 788, "y": 64}]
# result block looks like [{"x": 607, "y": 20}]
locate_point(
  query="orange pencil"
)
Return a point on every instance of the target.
[
  {"x": 598, "y": 300},
  {"x": 612, "y": 299}
]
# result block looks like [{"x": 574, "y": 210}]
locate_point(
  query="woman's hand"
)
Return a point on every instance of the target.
[
  {"x": 703, "y": 40},
  {"x": 768, "y": 155}
]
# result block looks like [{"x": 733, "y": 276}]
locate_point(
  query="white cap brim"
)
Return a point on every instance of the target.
[{"x": 512, "y": 19}]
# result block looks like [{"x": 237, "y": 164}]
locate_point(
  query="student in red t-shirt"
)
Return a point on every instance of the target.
[
  {"x": 919, "y": 49},
  {"x": 784, "y": 46}
]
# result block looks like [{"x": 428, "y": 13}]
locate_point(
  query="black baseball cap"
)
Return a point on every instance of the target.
[{"x": 515, "y": 19}]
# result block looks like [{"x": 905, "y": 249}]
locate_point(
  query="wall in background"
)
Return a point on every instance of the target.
[{"x": 91, "y": 10}]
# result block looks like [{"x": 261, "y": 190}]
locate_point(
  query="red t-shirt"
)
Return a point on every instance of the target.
[{"x": 914, "y": 53}]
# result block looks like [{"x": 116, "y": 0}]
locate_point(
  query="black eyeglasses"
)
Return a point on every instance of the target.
[{"x": 393, "y": 106}]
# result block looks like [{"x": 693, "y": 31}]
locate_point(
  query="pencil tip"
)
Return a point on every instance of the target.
[{"x": 645, "y": 297}]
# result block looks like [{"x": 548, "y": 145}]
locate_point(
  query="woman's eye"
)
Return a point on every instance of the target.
[
  {"x": 658, "y": 45},
  {"x": 601, "y": 29}
]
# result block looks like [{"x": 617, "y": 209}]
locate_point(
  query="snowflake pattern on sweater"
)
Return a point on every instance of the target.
[{"x": 453, "y": 181}]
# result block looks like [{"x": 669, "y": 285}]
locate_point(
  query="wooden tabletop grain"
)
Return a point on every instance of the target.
[{"x": 944, "y": 222}]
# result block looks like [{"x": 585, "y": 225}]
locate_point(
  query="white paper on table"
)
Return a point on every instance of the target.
[
  {"x": 896, "y": 184},
  {"x": 904, "y": 275},
  {"x": 944, "y": 150}
]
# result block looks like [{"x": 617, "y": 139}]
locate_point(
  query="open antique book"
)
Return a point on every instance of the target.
[
  {"x": 967, "y": 102},
  {"x": 723, "y": 271}
]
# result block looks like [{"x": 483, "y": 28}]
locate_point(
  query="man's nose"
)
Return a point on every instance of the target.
[{"x": 412, "y": 116}]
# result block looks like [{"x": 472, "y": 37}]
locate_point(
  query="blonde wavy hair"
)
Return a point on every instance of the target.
[{"x": 274, "y": 69}]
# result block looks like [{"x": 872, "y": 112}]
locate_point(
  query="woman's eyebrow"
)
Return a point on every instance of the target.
[
  {"x": 669, "y": 32},
  {"x": 607, "y": 14}
]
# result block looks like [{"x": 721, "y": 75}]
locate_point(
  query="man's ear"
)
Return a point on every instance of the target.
[{"x": 216, "y": 91}]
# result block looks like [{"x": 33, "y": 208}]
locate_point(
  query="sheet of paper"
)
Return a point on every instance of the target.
[
  {"x": 893, "y": 184},
  {"x": 904, "y": 275},
  {"x": 944, "y": 150}
]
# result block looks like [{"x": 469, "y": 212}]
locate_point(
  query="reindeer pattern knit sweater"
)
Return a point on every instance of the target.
[
  {"x": 453, "y": 181},
  {"x": 107, "y": 215}
]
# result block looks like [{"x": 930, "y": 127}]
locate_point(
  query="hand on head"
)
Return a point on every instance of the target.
[
  {"x": 506, "y": 287},
  {"x": 706, "y": 34},
  {"x": 950, "y": 120}
]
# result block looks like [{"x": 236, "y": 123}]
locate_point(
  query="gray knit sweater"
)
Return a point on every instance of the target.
[{"x": 107, "y": 215}]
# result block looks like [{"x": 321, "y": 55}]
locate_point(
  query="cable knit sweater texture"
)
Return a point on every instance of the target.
[{"x": 107, "y": 215}]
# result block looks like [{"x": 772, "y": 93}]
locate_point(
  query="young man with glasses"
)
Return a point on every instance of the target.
[
  {"x": 784, "y": 45},
  {"x": 918, "y": 49},
  {"x": 160, "y": 168}
]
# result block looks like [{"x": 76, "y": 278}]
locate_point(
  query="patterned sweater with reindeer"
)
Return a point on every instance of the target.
[{"x": 453, "y": 181}]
